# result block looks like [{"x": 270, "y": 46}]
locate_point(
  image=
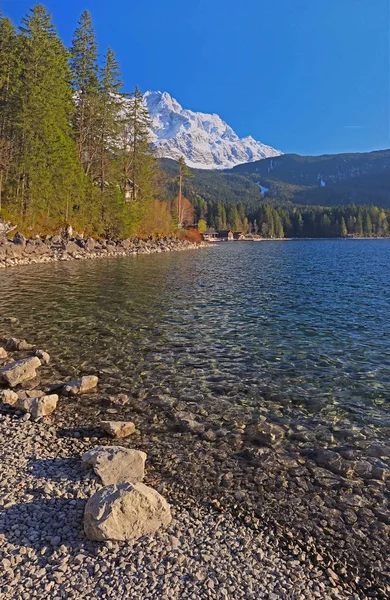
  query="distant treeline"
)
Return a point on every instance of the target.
[
  {"x": 73, "y": 147},
  {"x": 291, "y": 221}
]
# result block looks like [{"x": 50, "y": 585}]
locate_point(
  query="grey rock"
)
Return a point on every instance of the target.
[
  {"x": 43, "y": 356},
  {"x": 20, "y": 371},
  {"x": 118, "y": 429},
  {"x": 41, "y": 406},
  {"x": 19, "y": 239},
  {"x": 115, "y": 464},
  {"x": 81, "y": 385},
  {"x": 8, "y": 397},
  {"x": 267, "y": 434},
  {"x": 16, "y": 344},
  {"x": 125, "y": 512}
]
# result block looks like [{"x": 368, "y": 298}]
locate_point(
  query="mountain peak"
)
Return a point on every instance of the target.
[{"x": 205, "y": 140}]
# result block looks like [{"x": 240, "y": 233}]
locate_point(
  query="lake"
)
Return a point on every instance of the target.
[{"x": 304, "y": 324}]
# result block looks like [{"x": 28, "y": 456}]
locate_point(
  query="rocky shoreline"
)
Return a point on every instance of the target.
[
  {"x": 261, "y": 509},
  {"x": 22, "y": 251}
]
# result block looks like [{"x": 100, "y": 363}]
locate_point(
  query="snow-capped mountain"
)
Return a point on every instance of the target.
[{"x": 205, "y": 140}]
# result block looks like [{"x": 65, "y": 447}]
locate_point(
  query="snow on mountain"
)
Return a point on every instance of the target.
[{"x": 205, "y": 140}]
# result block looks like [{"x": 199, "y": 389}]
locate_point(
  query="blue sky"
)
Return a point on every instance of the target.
[{"x": 306, "y": 76}]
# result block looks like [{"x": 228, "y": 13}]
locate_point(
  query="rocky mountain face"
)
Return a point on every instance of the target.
[{"x": 205, "y": 140}]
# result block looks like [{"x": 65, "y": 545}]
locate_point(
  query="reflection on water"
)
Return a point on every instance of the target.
[{"x": 303, "y": 326}]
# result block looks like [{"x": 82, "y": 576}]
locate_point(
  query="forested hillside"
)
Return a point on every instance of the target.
[{"x": 73, "y": 147}]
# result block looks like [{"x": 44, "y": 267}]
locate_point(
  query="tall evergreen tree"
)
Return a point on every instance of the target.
[
  {"x": 49, "y": 180},
  {"x": 85, "y": 82},
  {"x": 108, "y": 176},
  {"x": 184, "y": 172},
  {"x": 139, "y": 167}
]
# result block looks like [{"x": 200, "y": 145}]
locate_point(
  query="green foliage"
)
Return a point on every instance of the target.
[
  {"x": 72, "y": 145},
  {"x": 202, "y": 225}
]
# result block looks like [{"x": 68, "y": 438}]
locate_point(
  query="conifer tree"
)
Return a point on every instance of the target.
[
  {"x": 184, "y": 173},
  {"x": 49, "y": 180},
  {"x": 108, "y": 176},
  {"x": 139, "y": 168},
  {"x": 85, "y": 82}
]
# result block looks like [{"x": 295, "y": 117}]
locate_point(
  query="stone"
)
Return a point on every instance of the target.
[
  {"x": 42, "y": 406},
  {"x": 8, "y": 397},
  {"x": 115, "y": 464},
  {"x": 16, "y": 344},
  {"x": 20, "y": 371},
  {"x": 81, "y": 385},
  {"x": 125, "y": 512},
  {"x": 90, "y": 244},
  {"x": 19, "y": 239},
  {"x": 187, "y": 422},
  {"x": 119, "y": 399},
  {"x": 118, "y": 429},
  {"x": 43, "y": 356},
  {"x": 3, "y": 353},
  {"x": 268, "y": 434},
  {"x": 72, "y": 248}
]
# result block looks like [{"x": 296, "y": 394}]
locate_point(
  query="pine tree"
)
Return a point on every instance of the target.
[
  {"x": 108, "y": 176},
  {"x": 140, "y": 175},
  {"x": 343, "y": 228},
  {"x": 85, "y": 82},
  {"x": 49, "y": 179},
  {"x": 184, "y": 173}
]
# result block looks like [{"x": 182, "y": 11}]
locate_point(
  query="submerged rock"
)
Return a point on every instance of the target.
[
  {"x": 20, "y": 371},
  {"x": 15, "y": 344},
  {"x": 41, "y": 406},
  {"x": 118, "y": 429},
  {"x": 43, "y": 356},
  {"x": 115, "y": 464},
  {"x": 81, "y": 385},
  {"x": 125, "y": 512},
  {"x": 266, "y": 434}
]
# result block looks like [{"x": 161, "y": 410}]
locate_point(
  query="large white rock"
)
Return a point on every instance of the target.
[
  {"x": 125, "y": 512},
  {"x": 80, "y": 386},
  {"x": 118, "y": 429},
  {"x": 3, "y": 353},
  {"x": 42, "y": 406},
  {"x": 115, "y": 464},
  {"x": 20, "y": 371}
]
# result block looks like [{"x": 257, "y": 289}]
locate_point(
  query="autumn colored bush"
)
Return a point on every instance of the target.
[{"x": 191, "y": 235}]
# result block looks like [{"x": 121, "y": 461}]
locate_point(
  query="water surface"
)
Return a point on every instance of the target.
[{"x": 300, "y": 327}]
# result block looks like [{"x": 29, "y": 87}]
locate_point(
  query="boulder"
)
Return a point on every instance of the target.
[
  {"x": 118, "y": 429},
  {"x": 125, "y": 512},
  {"x": 115, "y": 464},
  {"x": 90, "y": 244},
  {"x": 19, "y": 239},
  {"x": 8, "y": 397},
  {"x": 43, "y": 356},
  {"x": 81, "y": 385},
  {"x": 20, "y": 371},
  {"x": 15, "y": 344},
  {"x": 3, "y": 353},
  {"x": 72, "y": 248},
  {"x": 267, "y": 434},
  {"x": 41, "y": 406}
]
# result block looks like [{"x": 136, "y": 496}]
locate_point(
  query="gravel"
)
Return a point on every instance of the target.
[{"x": 205, "y": 553}]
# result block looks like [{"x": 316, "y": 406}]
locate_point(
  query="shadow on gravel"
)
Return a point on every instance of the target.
[
  {"x": 46, "y": 524},
  {"x": 79, "y": 433},
  {"x": 57, "y": 469}
]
